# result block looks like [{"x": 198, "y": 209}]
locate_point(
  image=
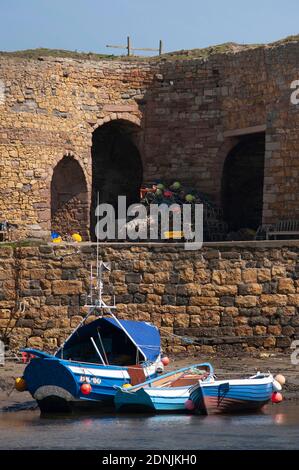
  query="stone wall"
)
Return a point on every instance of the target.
[
  {"x": 227, "y": 298},
  {"x": 50, "y": 109},
  {"x": 188, "y": 113}
]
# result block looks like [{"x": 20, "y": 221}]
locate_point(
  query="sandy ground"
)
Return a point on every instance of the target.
[{"x": 11, "y": 400}]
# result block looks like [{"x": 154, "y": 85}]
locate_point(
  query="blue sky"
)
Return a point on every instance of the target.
[{"x": 88, "y": 25}]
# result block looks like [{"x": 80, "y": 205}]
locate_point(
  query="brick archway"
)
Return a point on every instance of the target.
[
  {"x": 127, "y": 117},
  {"x": 243, "y": 182},
  {"x": 69, "y": 198},
  {"x": 116, "y": 162}
]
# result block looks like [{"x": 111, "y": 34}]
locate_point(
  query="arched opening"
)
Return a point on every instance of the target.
[
  {"x": 116, "y": 165},
  {"x": 242, "y": 183},
  {"x": 69, "y": 199}
]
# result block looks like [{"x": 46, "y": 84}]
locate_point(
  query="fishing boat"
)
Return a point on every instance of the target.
[
  {"x": 237, "y": 395},
  {"x": 97, "y": 356},
  {"x": 167, "y": 393}
]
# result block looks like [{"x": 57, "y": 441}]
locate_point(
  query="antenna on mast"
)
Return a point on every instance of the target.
[{"x": 98, "y": 203}]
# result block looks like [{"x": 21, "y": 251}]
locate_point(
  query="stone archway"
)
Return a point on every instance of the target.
[
  {"x": 69, "y": 199},
  {"x": 242, "y": 183},
  {"x": 116, "y": 165}
]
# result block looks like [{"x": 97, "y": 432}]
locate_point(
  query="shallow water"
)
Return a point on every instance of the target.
[{"x": 276, "y": 428}]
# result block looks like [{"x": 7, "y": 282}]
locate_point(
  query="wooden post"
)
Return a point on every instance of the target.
[
  {"x": 160, "y": 47},
  {"x": 130, "y": 49},
  {"x": 129, "y": 46}
]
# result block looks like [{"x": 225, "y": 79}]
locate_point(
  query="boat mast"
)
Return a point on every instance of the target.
[
  {"x": 97, "y": 304},
  {"x": 99, "y": 275}
]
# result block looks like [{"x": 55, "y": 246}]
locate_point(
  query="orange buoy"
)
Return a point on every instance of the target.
[
  {"x": 276, "y": 397},
  {"x": 280, "y": 379},
  {"x": 165, "y": 361},
  {"x": 20, "y": 384},
  {"x": 85, "y": 389}
]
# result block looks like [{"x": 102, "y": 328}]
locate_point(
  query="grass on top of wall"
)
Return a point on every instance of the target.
[{"x": 229, "y": 47}]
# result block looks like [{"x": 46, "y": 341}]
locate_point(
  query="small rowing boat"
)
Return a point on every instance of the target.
[
  {"x": 235, "y": 396},
  {"x": 167, "y": 393}
]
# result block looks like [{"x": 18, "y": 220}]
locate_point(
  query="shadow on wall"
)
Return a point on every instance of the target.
[
  {"x": 116, "y": 166},
  {"x": 69, "y": 199},
  {"x": 242, "y": 183}
]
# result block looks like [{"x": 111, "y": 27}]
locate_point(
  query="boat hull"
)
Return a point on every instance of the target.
[
  {"x": 152, "y": 400},
  {"x": 56, "y": 384},
  {"x": 232, "y": 396},
  {"x": 165, "y": 394}
]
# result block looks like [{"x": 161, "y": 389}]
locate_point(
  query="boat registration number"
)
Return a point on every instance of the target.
[{"x": 90, "y": 380}]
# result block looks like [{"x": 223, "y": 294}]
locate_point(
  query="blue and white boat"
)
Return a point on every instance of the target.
[
  {"x": 234, "y": 396},
  {"x": 167, "y": 393},
  {"x": 96, "y": 357}
]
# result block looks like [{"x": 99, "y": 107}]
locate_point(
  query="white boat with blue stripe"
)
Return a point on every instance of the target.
[{"x": 167, "y": 393}]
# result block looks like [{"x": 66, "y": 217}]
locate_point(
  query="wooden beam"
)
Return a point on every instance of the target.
[
  {"x": 116, "y": 47},
  {"x": 143, "y": 49},
  {"x": 130, "y": 49},
  {"x": 245, "y": 131}
]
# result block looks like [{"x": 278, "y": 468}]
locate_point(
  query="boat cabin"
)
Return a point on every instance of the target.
[{"x": 112, "y": 342}]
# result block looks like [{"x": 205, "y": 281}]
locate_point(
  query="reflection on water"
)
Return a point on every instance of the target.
[{"x": 276, "y": 428}]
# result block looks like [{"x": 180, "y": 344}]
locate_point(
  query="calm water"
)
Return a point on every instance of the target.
[{"x": 276, "y": 428}]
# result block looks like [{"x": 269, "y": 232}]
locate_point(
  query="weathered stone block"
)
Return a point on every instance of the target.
[
  {"x": 226, "y": 290},
  {"x": 250, "y": 289},
  {"x": 274, "y": 330},
  {"x": 35, "y": 342},
  {"x": 249, "y": 275},
  {"x": 275, "y": 299},
  {"x": 263, "y": 275},
  {"x": 286, "y": 286},
  {"x": 243, "y": 330},
  {"x": 154, "y": 299},
  {"x": 66, "y": 287},
  {"x": 182, "y": 320},
  {"x": 293, "y": 299},
  {"x": 246, "y": 301},
  {"x": 204, "y": 301},
  {"x": 278, "y": 271},
  {"x": 270, "y": 342},
  {"x": 227, "y": 301},
  {"x": 133, "y": 278},
  {"x": 195, "y": 321}
]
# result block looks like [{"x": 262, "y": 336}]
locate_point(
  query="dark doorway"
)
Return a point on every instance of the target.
[
  {"x": 116, "y": 165},
  {"x": 242, "y": 183},
  {"x": 69, "y": 199}
]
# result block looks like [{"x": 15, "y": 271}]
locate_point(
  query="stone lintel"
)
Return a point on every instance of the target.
[{"x": 245, "y": 131}]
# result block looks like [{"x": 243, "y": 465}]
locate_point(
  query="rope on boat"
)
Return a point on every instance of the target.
[
  {"x": 185, "y": 339},
  {"x": 190, "y": 340}
]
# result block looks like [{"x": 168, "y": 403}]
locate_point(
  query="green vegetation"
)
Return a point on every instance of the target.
[
  {"x": 60, "y": 53},
  {"x": 21, "y": 243},
  {"x": 287, "y": 40},
  {"x": 203, "y": 53}
]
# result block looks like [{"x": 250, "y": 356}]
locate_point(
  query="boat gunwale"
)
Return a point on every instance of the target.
[{"x": 147, "y": 383}]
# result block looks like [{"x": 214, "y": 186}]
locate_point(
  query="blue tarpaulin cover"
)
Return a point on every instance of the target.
[{"x": 145, "y": 336}]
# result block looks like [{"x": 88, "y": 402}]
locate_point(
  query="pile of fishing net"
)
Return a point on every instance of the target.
[{"x": 214, "y": 228}]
